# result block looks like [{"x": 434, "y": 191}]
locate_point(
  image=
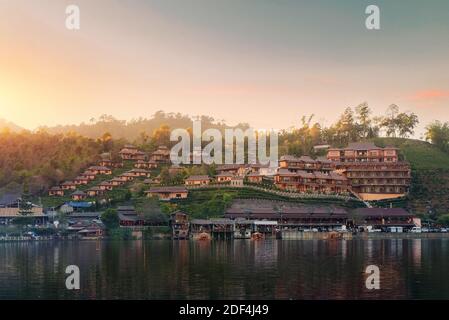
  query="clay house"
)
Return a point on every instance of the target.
[
  {"x": 141, "y": 164},
  {"x": 56, "y": 191},
  {"x": 106, "y": 185},
  {"x": 128, "y": 176},
  {"x": 175, "y": 169},
  {"x": 168, "y": 193},
  {"x": 254, "y": 177},
  {"x": 88, "y": 174},
  {"x": 81, "y": 180},
  {"x": 224, "y": 177},
  {"x": 234, "y": 169},
  {"x": 152, "y": 164},
  {"x": 139, "y": 172},
  {"x": 100, "y": 170},
  {"x": 78, "y": 195},
  {"x": 105, "y": 163},
  {"x": 95, "y": 191},
  {"x": 161, "y": 155},
  {"x": 118, "y": 181},
  {"x": 130, "y": 152},
  {"x": 197, "y": 180},
  {"x": 68, "y": 185},
  {"x": 127, "y": 152}
]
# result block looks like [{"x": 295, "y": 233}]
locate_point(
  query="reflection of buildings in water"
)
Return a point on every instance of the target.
[
  {"x": 55, "y": 258},
  {"x": 265, "y": 252},
  {"x": 396, "y": 247},
  {"x": 343, "y": 249},
  {"x": 416, "y": 252},
  {"x": 369, "y": 248},
  {"x": 242, "y": 250}
]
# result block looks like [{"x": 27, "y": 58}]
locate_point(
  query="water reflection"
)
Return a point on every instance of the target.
[{"x": 241, "y": 269}]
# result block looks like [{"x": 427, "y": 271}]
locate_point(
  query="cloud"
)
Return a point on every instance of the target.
[{"x": 430, "y": 95}]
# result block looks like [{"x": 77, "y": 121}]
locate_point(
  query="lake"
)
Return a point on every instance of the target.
[{"x": 239, "y": 269}]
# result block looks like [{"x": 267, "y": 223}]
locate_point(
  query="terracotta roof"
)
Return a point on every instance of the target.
[
  {"x": 14, "y": 212},
  {"x": 224, "y": 174},
  {"x": 78, "y": 193},
  {"x": 95, "y": 188},
  {"x": 361, "y": 146}
]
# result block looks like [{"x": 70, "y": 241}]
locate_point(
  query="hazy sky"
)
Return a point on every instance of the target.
[{"x": 257, "y": 61}]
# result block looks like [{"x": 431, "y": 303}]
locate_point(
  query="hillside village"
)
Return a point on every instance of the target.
[{"x": 345, "y": 179}]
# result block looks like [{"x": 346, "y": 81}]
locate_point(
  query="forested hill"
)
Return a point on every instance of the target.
[
  {"x": 136, "y": 128},
  {"x": 42, "y": 159}
]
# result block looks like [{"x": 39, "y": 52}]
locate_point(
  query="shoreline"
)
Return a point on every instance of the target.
[{"x": 300, "y": 236}]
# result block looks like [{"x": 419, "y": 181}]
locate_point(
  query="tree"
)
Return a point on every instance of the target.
[
  {"x": 406, "y": 122},
  {"x": 364, "y": 122},
  {"x": 110, "y": 219},
  {"x": 443, "y": 220},
  {"x": 398, "y": 124},
  {"x": 161, "y": 136},
  {"x": 438, "y": 134}
]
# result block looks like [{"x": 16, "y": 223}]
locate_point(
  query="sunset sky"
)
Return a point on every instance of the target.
[{"x": 266, "y": 62}]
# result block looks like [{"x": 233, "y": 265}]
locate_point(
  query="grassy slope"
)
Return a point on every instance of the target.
[{"x": 430, "y": 175}]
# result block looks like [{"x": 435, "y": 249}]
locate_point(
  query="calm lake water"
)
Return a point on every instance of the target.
[{"x": 239, "y": 269}]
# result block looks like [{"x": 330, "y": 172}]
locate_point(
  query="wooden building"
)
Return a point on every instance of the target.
[
  {"x": 304, "y": 181},
  {"x": 68, "y": 185},
  {"x": 81, "y": 180},
  {"x": 161, "y": 155},
  {"x": 199, "y": 180},
  {"x": 118, "y": 181},
  {"x": 78, "y": 195},
  {"x": 95, "y": 191},
  {"x": 383, "y": 218},
  {"x": 179, "y": 224},
  {"x": 374, "y": 173},
  {"x": 99, "y": 170},
  {"x": 106, "y": 185},
  {"x": 139, "y": 172},
  {"x": 254, "y": 177},
  {"x": 224, "y": 177},
  {"x": 303, "y": 217},
  {"x": 56, "y": 191},
  {"x": 363, "y": 152},
  {"x": 130, "y": 152},
  {"x": 168, "y": 193}
]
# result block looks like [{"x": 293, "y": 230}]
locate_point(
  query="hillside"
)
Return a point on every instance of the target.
[{"x": 421, "y": 155}]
